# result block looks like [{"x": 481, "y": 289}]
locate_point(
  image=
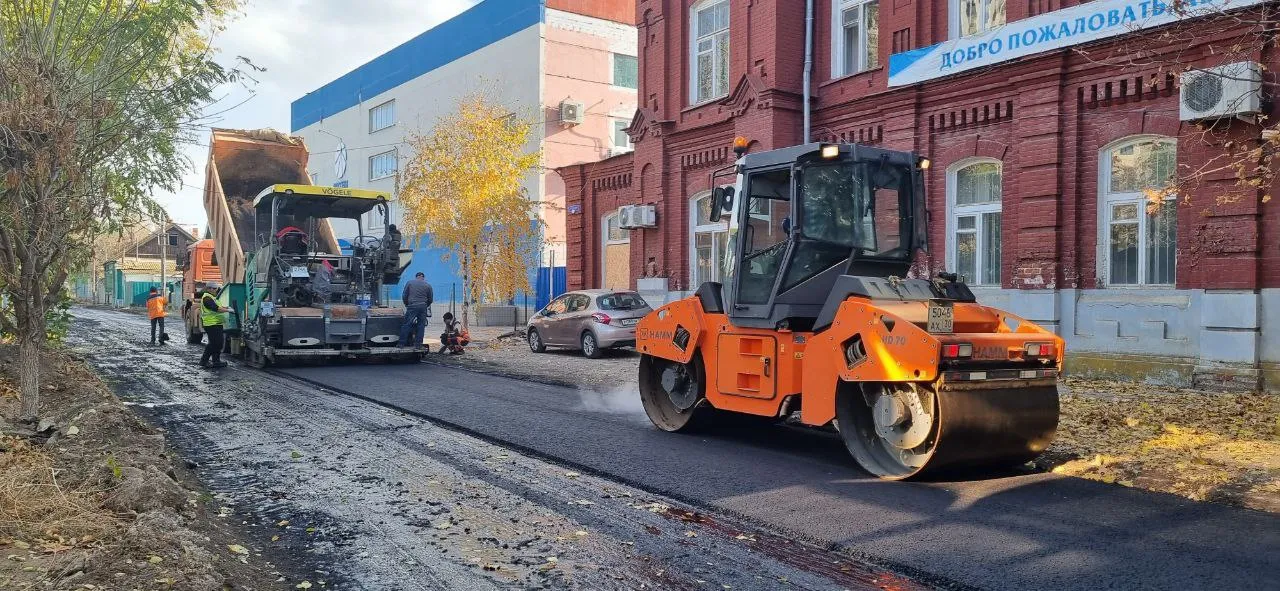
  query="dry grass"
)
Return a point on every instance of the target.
[
  {"x": 35, "y": 505},
  {"x": 1201, "y": 445}
]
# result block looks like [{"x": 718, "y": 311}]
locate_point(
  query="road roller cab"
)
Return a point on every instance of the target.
[{"x": 816, "y": 312}]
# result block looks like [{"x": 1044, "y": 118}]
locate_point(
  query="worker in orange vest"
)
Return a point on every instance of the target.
[{"x": 156, "y": 305}]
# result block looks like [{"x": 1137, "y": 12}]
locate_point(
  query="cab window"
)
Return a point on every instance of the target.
[
  {"x": 847, "y": 207},
  {"x": 763, "y": 232}
]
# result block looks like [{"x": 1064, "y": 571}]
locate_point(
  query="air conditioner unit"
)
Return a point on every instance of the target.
[
  {"x": 571, "y": 112},
  {"x": 625, "y": 213},
  {"x": 644, "y": 216},
  {"x": 1223, "y": 91}
]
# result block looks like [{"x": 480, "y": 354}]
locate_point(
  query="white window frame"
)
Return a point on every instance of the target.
[
  {"x": 953, "y": 12},
  {"x": 613, "y": 71},
  {"x": 394, "y": 165},
  {"x": 954, "y": 212},
  {"x": 839, "y": 69},
  {"x": 606, "y": 242},
  {"x": 707, "y": 227},
  {"x": 605, "y": 224},
  {"x": 1108, "y": 199},
  {"x": 615, "y": 131},
  {"x": 695, "y": 36},
  {"x": 376, "y": 110}
]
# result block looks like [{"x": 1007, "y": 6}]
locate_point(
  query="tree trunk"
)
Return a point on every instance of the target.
[
  {"x": 29, "y": 307},
  {"x": 29, "y": 375},
  {"x": 466, "y": 291}
]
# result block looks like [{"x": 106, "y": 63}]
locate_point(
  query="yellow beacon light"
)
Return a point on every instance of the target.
[
  {"x": 740, "y": 145},
  {"x": 830, "y": 151}
]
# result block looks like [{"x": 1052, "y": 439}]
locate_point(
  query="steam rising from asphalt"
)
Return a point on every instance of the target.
[{"x": 621, "y": 400}]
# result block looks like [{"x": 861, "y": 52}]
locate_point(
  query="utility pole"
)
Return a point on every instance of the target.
[{"x": 164, "y": 260}]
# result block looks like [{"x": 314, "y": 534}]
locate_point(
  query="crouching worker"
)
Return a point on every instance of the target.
[{"x": 454, "y": 337}]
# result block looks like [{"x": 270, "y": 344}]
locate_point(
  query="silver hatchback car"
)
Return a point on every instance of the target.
[{"x": 590, "y": 320}]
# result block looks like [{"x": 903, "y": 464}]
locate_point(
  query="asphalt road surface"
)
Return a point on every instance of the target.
[
  {"x": 329, "y": 487},
  {"x": 1024, "y": 531}
]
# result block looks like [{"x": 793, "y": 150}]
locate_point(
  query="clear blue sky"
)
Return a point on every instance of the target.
[{"x": 302, "y": 44}]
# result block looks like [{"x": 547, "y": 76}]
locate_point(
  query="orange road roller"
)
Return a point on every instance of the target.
[{"x": 812, "y": 313}]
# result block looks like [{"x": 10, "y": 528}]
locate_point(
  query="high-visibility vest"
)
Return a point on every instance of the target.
[{"x": 210, "y": 317}]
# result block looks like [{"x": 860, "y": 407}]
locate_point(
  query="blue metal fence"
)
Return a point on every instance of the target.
[{"x": 551, "y": 282}]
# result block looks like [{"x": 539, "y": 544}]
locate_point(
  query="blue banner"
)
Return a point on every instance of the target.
[{"x": 1084, "y": 23}]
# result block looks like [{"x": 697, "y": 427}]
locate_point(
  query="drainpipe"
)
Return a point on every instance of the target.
[{"x": 808, "y": 62}]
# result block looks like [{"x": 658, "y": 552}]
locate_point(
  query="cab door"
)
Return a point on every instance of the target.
[{"x": 764, "y": 221}]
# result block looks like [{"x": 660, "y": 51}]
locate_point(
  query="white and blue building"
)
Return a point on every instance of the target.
[{"x": 525, "y": 54}]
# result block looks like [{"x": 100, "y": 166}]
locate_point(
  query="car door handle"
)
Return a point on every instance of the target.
[{"x": 767, "y": 362}]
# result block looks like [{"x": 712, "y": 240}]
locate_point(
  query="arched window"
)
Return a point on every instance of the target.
[
  {"x": 973, "y": 220},
  {"x": 708, "y": 242},
  {"x": 1138, "y": 221},
  {"x": 708, "y": 50}
]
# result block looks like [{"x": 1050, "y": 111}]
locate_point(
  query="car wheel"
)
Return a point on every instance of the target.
[
  {"x": 589, "y": 346},
  {"x": 535, "y": 342}
]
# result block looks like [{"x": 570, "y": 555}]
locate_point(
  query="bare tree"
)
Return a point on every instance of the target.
[
  {"x": 1205, "y": 36},
  {"x": 96, "y": 98}
]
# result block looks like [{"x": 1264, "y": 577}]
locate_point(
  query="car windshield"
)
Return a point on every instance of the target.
[{"x": 621, "y": 301}]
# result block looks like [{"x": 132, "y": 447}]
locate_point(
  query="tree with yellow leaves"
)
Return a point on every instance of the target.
[{"x": 462, "y": 188}]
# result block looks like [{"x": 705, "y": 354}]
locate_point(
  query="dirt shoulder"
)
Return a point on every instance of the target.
[
  {"x": 1206, "y": 446},
  {"x": 95, "y": 499}
]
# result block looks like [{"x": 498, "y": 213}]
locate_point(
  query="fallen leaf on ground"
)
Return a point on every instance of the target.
[{"x": 238, "y": 549}]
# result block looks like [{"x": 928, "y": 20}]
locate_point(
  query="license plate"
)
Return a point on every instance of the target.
[
  {"x": 941, "y": 318},
  {"x": 630, "y": 321}
]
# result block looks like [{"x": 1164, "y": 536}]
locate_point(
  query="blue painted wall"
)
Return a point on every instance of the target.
[
  {"x": 444, "y": 275},
  {"x": 482, "y": 25}
]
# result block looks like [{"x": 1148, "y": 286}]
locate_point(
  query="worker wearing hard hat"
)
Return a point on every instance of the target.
[{"x": 213, "y": 321}]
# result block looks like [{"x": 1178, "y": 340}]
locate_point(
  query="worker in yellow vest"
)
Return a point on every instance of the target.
[{"x": 213, "y": 321}]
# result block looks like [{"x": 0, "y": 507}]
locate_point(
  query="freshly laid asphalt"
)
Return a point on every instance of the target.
[{"x": 1026, "y": 531}]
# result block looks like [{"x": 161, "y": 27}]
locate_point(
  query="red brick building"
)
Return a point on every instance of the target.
[{"x": 1066, "y": 185}]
